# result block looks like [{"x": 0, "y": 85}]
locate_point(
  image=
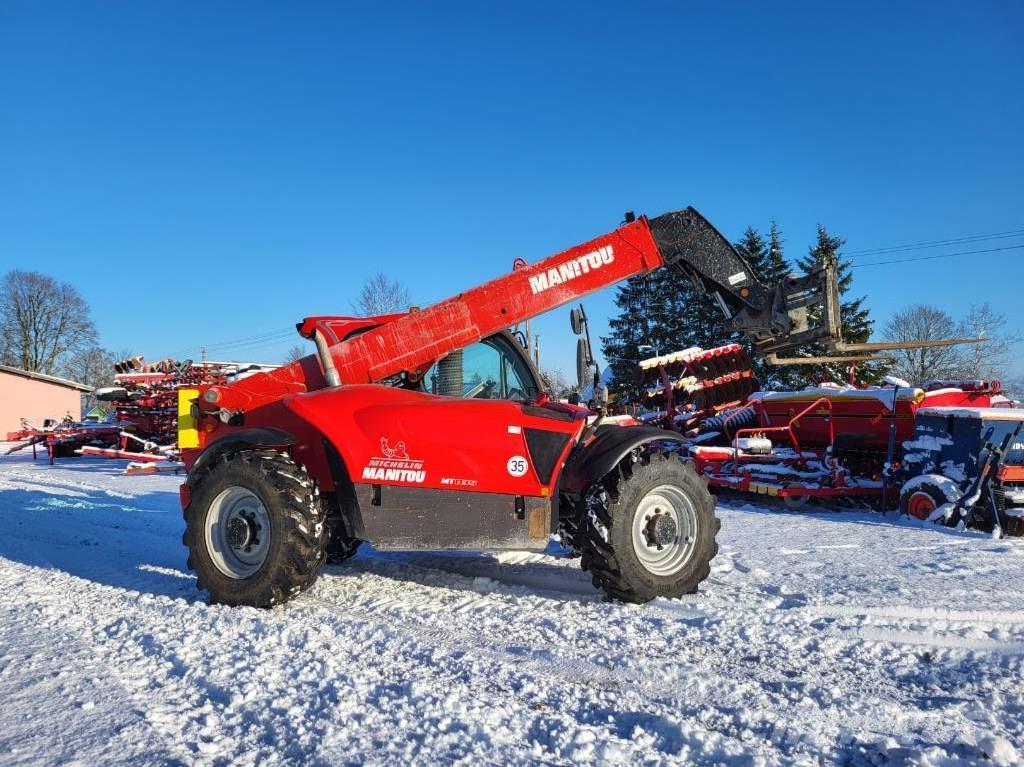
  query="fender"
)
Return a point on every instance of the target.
[
  {"x": 240, "y": 440},
  {"x": 611, "y": 445}
]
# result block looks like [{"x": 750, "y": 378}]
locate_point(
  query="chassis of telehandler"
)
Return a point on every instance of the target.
[{"x": 429, "y": 429}]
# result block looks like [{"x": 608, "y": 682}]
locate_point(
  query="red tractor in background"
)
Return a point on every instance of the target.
[{"x": 430, "y": 430}]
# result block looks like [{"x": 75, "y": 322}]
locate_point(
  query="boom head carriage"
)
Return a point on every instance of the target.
[{"x": 799, "y": 310}]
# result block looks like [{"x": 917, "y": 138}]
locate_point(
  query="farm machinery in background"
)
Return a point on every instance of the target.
[
  {"x": 141, "y": 425},
  {"x": 144, "y": 399},
  {"x": 63, "y": 437},
  {"x": 946, "y": 451},
  {"x": 429, "y": 429}
]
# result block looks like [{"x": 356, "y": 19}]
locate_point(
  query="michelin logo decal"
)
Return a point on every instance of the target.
[{"x": 394, "y": 466}]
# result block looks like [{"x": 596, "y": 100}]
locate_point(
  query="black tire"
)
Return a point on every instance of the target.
[
  {"x": 611, "y": 506},
  {"x": 297, "y": 537},
  {"x": 926, "y": 490},
  {"x": 571, "y": 530},
  {"x": 339, "y": 546}
]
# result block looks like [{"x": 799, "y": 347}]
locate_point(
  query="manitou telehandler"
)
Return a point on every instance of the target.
[{"x": 430, "y": 430}]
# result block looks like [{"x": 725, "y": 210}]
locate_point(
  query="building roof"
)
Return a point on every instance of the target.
[{"x": 48, "y": 379}]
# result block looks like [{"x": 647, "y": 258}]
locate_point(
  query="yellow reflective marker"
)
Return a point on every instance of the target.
[{"x": 188, "y": 430}]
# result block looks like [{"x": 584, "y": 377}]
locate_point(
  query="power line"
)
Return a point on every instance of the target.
[
  {"x": 263, "y": 339},
  {"x": 248, "y": 339},
  {"x": 930, "y": 258},
  {"x": 272, "y": 335},
  {"x": 936, "y": 243}
]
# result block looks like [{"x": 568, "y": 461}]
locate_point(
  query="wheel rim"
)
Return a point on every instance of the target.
[
  {"x": 920, "y": 505},
  {"x": 664, "y": 530},
  {"x": 237, "y": 532},
  {"x": 795, "y": 501}
]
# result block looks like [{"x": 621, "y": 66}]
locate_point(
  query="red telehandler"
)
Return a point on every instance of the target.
[{"x": 430, "y": 430}]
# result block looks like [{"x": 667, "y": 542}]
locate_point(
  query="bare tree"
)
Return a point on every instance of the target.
[
  {"x": 923, "y": 323},
  {"x": 554, "y": 382},
  {"x": 295, "y": 353},
  {"x": 93, "y": 367},
  {"x": 41, "y": 321},
  {"x": 1013, "y": 387},
  {"x": 381, "y": 295},
  {"x": 992, "y": 359}
]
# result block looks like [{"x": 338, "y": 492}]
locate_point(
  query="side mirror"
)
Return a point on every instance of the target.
[
  {"x": 576, "y": 319},
  {"x": 583, "y": 361}
]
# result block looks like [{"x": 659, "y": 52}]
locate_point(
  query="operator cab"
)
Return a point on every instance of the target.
[{"x": 494, "y": 368}]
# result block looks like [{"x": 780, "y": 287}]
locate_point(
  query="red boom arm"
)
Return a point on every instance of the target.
[
  {"x": 774, "y": 319},
  {"x": 418, "y": 339}
]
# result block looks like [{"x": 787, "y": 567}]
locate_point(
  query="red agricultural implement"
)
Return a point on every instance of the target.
[
  {"x": 144, "y": 398},
  {"x": 429, "y": 429},
  {"x": 686, "y": 386},
  {"x": 143, "y": 428},
  {"x": 828, "y": 442},
  {"x": 63, "y": 438}
]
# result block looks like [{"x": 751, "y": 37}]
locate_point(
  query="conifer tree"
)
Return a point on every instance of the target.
[
  {"x": 754, "y": 250},
  {"x": 776, "y": 267},
  {"x": 771, "y": 267},
  {"x": 856, "y": 320},
  {"x": 659, "y": 313}
]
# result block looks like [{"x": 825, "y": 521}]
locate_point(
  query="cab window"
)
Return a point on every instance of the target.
[{"x": 489, "y": 369}]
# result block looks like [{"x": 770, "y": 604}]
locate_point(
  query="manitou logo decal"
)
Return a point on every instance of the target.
[
  {"x": 570, "y": 270},
  {"x": 394, "y": 465}
]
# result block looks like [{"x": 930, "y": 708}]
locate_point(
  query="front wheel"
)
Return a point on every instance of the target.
[
  {"x": 650, "y": 529},
  {"x": 254, "y": 529}
]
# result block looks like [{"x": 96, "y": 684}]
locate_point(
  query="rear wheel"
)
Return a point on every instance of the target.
[
  {"x": 797, "y": 501},
  {"x": 254, "y": 528},
  {"x": 920, "y": 498},
  {"x": 649, "y": 529}
]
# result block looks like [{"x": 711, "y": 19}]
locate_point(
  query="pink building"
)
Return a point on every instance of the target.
[{"x": 36, "y": 397}]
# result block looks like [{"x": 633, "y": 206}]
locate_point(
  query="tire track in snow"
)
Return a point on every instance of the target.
[{"x": 731, "y": 681}]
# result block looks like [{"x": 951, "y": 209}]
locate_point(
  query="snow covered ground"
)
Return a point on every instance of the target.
[{"x": 821, "y": 637}]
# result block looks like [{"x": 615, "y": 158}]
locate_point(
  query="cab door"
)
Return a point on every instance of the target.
[{"x": 474, "y": 441}]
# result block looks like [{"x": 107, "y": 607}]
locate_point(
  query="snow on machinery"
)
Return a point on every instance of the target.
[
  {"x": 685, "y": 386},
  {"x": 64, "y": 437},
  {"x": 145, "y": 400},
  {"x": 827, "y": 441},
  {"x": 920, "y": 447},
  {"x": 965, "y": 465},
  {"x": 143, "y": 425},
  {"x": 430, "y": 430}
]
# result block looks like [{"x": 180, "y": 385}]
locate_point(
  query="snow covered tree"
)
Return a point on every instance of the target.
[
  {"x": 775, "y": 266},
  {"x": 754, "y": 249},
  {"x": 989, "y": 360},
  {"x": 771, "y": 267},
  {"x": 555, "y": 383},
  {"x": 765, "y": 257},
  {"x": 629, "y": 330},
  {"x": 923, "y": 323}
]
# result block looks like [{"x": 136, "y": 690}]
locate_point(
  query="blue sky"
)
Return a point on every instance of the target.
[{"x": 207, "y": 172}]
